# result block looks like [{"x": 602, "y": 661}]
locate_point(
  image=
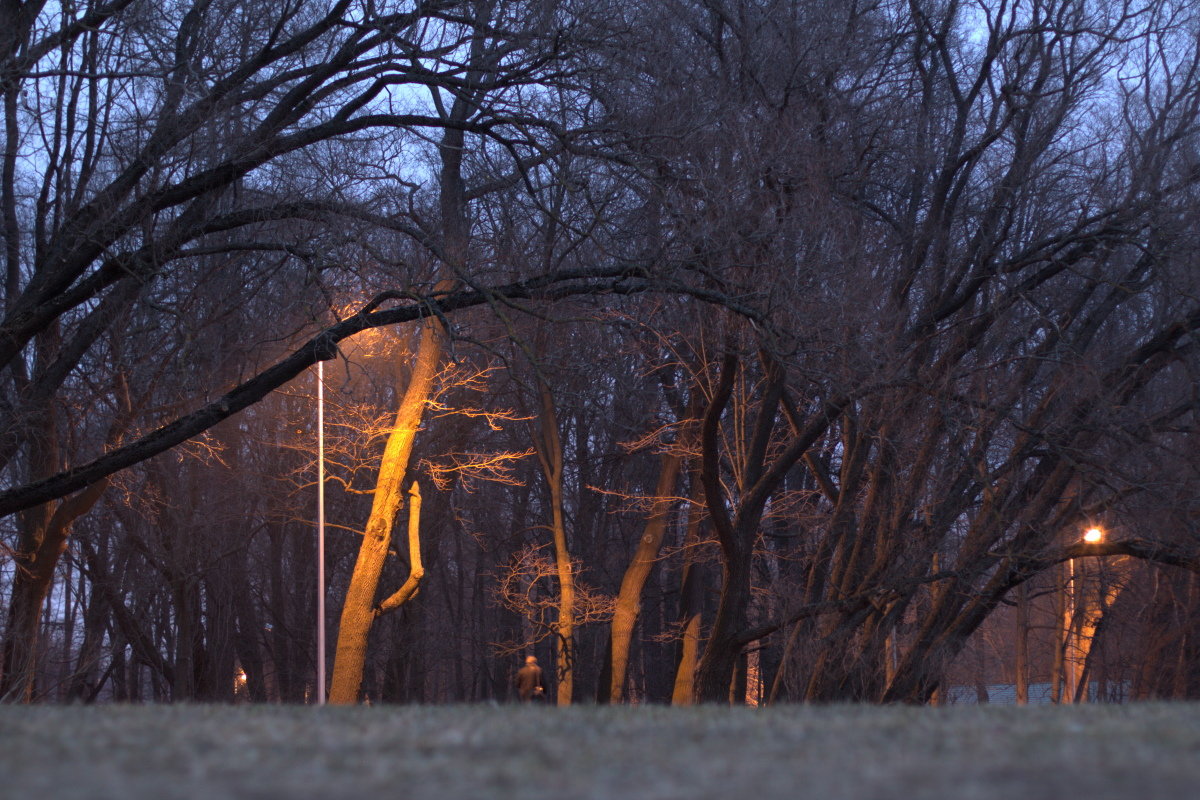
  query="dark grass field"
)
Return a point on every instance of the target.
[{"x": 133, "y": 752}]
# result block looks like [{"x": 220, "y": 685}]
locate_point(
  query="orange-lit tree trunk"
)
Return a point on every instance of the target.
[
  {"x": 359, "y": 610},
  {"x": 549, "y": 450},
  {"x": 684, "y": 691},
  {"x": 1090, "y": 617},
  {"x": 629, "y": 598}
]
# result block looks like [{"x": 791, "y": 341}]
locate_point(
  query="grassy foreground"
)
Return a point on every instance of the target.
[{"x": 164, "y": 752}]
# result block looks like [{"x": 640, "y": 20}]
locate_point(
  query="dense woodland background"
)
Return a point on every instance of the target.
[{"x": 750, "y": 350}]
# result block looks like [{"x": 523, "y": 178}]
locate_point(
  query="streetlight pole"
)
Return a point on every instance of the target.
[
  {"x": 1069, "y": 629},
  {"x": 320, "y": 533}
]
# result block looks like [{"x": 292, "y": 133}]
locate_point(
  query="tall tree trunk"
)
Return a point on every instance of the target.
[
  {"x": 715, "y": 673},
  {"x": 691, "y": 604},
  {"x": 1062, "y": 639},
  {"x": 549, "y": 450},
  {"x": 1022, "y": 645},
  {"x": 359, "y": 610},
  {"x": 684, "y": 691},
  {"x": 1093, "y": 609},
  {"x": 44, "y": 538},
  {"x": 85, "y": 684},
  {"x": 629, "y": 598},
  {"x": 189, "y": 638}
]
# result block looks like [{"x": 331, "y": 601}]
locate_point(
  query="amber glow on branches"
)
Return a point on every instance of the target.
[
  {"x": 528, "y": 586},
  {"x": 1093, "y": 535},
  {"x": 471, "y": 467}
]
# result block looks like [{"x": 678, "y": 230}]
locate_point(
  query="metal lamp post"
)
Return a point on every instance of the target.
[{"x": 320, "y": 533}]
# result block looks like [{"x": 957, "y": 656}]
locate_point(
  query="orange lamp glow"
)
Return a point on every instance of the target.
[{"x": 1093, "y": 535}]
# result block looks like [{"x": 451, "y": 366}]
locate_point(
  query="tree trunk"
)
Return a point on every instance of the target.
[
  {"x": 359, "y": 610},
  {"x": 684, "y": 692},
  {"x": 1093, "y": 610},
  {"x": 85, "y": 685},
  {"x": 44, "y": 539},
  {"x": 549, "y": 450},
  {"x": 1022, "y": 645},
  {"x": 691, "y": 605},
  {"x": 715, "y": 673},
  {"x": 1061, "y": 641},
  {"x": 629, "y": 599}
]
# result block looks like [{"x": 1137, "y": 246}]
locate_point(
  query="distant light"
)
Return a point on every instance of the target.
[{"x": 1093, "y": 535}]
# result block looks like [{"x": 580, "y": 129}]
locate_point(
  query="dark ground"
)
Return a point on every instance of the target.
[{"x": 864, "y": 753}]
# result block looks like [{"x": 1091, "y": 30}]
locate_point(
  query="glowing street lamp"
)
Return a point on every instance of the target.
[{"x": 1093, "y": 535}]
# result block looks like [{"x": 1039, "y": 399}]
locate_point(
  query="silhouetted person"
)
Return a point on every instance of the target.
[{"x": 529, "y": 681}]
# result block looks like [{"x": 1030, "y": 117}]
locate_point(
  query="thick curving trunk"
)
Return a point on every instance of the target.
[
  {"x": 359, "y": 610},
  {"x": 629, "y": 598}
]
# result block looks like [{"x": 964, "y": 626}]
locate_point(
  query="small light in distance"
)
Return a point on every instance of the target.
[{"x": 1093, "y": 535}]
